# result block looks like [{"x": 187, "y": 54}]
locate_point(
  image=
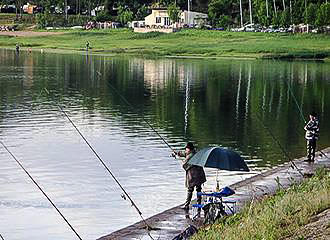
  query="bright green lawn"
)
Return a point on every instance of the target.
[{"x": 202, "y": 43}]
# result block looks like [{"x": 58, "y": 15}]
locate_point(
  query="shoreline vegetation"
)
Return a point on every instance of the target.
[
  {"x": 300, "y": 212},
  {"x": 188, "y": 43}
]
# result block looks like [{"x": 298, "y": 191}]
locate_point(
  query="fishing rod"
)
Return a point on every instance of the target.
[
  {"x": 293, "y": 165},
  {"x": 104, "y": 165},
  {"x": 18, "y": 162},
  {"x": 301, "y": 114},
  {"x": 2, "y": 237},
  {"x": 143, "y": 118}
]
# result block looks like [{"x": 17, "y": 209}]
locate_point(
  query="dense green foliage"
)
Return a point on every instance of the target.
[
  {"x": 277, "y": 216},
  {"x": 222, "y": 13}
]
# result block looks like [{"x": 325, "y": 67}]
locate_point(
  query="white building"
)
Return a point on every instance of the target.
[
  {"x": 160, "y": 18},
  {"x": 193, "y": 18}
]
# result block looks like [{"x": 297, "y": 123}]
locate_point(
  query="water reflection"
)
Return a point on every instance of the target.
[{"x": 212, "y": 102}]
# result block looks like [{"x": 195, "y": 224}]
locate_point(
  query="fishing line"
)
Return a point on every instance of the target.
[
  {"x": 104, "y": 165},
  {"x": 143, "y": 118},
  {"x": 12, "y": 155},
  {"x": 301, "y": 114},
  {"x": 293, "y": 165},
  {"x": 296, "y": 102}
]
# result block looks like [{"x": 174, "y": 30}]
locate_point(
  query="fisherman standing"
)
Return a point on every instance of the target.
[
  {"x": 17, "y": 48},
  {"x": 195, "y": 175},
  {"x": 312, "y": 134}
]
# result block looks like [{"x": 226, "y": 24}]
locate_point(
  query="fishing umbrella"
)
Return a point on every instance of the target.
[{"x": 220, "y": 158}]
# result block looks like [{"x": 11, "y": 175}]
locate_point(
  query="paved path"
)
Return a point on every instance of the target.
[{"x": 172, "y": 221}]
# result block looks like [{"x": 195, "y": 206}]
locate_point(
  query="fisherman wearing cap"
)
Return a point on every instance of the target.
[
  {"x": 312, "y": 134},
  {"x": 195, "y": 175}
]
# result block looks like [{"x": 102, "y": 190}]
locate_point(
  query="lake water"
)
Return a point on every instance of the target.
[{"x": 209, "y": 102}]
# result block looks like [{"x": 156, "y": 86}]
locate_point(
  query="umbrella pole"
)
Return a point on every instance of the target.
[{"x": 217, "y": 189}]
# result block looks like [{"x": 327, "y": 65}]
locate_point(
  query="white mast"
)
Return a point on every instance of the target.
[
  {"x": 241, "y": 11},
  {"x": 250, "y": 6},
  {"x": 188, "y": 14}
]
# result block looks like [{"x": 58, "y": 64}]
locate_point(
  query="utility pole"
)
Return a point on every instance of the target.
[
  {"x": 241, "y": 12},
  {"x": 66, "y": 10},
  {"x": 250, "y": 6}
]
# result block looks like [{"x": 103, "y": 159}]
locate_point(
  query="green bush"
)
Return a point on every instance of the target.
[
  {"x": 47, "y": 20},
  {"x": 42, "y": 20},
  {"x": 77, "y": 20},
  {"x": 103, "y": 17}
]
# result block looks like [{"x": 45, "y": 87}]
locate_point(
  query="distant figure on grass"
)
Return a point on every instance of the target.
[
  {"x": 87, "y": 46},
  {"x": 17, "y": 48},
  {"x": 195, "y": 175},
  {"x": 312, "y": 134}
]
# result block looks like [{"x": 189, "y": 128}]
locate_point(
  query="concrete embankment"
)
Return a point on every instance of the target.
[{"x": 171, "y": 222}]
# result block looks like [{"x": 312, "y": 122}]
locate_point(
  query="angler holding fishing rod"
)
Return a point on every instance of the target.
[
  {"x": 312, "y": 131},
  {"x": 312, "y": 135}
]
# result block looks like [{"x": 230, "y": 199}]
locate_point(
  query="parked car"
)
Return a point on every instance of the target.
[{"x": 218, "y": 29}]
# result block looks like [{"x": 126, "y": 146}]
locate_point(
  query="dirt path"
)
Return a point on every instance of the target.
[{"x": 29, "y": 33}]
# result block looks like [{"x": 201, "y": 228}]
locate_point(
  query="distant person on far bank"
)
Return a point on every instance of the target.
[
  {"x": 195, "y": 175},
  {"x": 17, "y": 47},
  {"x": 312, "y": 135},
  {"x": 87, "y": 45}
]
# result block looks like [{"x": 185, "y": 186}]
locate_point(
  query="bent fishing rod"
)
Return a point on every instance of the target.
[
  {"x": 301, "y": 114},
  {"x": 143, "y": 118},
  {"x": 43, "y": 192},
  {"x": 293, "y": 165},
  {"x": 103, "y": 163}
]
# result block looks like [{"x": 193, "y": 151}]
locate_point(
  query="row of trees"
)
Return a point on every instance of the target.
[
  {"x": 222, "y": 13},
  {"x": 266, "y": 12}
]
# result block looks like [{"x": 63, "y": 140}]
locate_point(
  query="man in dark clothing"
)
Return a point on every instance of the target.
[
  {"x": 195, "y": 175},
  {"x": 87, "y": 46},
  {"x": 312, "y": 134}
]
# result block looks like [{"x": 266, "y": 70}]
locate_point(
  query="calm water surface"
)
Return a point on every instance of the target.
[{"x": 210, "y": 102}]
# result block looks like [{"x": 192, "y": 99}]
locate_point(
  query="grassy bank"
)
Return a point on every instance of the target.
[
  {"x": 199, "y": 43},
  {"x": 278, "y": 216}
]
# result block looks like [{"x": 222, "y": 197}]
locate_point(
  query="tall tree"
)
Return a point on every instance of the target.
[
  {"x": 19, "y": 6},
  {"x": 310, "y": 14},
  {"x": 173, "y": 12},
  {"x": 323, "y": 15},
  {"x": 218, "y": 8}
]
